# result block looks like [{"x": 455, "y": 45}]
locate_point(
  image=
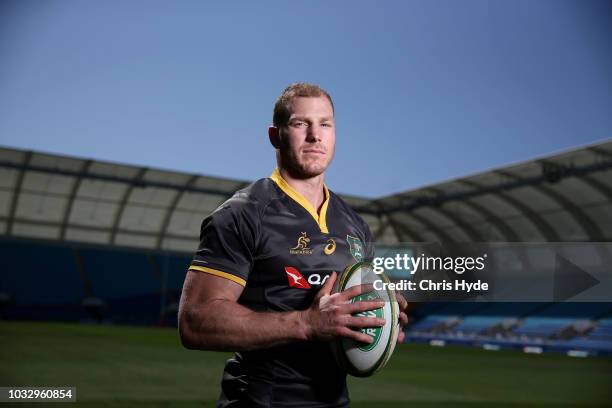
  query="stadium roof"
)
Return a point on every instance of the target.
[
  {"x": 565, "y": 197},
  {"x": 561, "y": 198}
]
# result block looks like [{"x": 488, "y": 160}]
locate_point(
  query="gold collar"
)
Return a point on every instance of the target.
[{"x": 320, "y": 219}]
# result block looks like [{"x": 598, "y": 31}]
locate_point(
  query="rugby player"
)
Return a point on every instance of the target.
[{"x": 261, "y": 279}]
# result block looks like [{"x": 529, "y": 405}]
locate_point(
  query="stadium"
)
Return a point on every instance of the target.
[
  {"x": 94, "y": 256},
  {"x": 470, "y": 142}
]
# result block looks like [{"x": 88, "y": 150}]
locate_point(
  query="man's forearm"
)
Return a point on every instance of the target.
[{"x": 226, "y": 325}]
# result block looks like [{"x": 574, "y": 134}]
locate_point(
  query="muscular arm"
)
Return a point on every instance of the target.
[{"x": 211, "y": 319}]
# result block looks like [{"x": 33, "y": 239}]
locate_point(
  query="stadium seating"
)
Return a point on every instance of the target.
[
  {"x": 534, "y": 327},
  {"x": 477, "y": 324},
  {"x": 603, "y": 331},
  {"x": 430, "y": 323},
  {"x": 60, "y": 281},
  {"x": 542, "y": 327},
  {"x": 511, "y": 309},
  {"x": 40, "y": 281},
  {"x": 598, "y": 340},
  {"x": 30, "y": 271}
]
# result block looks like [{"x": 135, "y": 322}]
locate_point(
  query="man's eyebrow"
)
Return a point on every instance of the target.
[{"x": 304, "y": 118}]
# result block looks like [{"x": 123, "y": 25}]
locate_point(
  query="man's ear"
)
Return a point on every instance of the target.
[{"x": 274, "y": 135}]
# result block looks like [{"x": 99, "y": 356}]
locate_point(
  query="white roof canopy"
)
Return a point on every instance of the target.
[{"x": 566, "y": 197}]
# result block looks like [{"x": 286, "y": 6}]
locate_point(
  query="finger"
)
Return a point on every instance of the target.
[
  {"x": 355, "y": 335},
  {"x": 329, "y": 284},
  {"x": 359, "y": 321},
  {"x": 400, "y": 338},
  {"x": 362, "y": 306},
  {"x": 403, "y": 303},
  {"x": 357, "y": 290},
  {"x": 403, "y": 319}
]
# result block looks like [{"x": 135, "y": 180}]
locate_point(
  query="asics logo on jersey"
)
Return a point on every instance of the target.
[{"x": 330, "y": 247}]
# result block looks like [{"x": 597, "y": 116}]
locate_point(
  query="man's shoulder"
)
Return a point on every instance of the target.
[
  {"x": 252, "y": 198},
  {"x": 347, "y": 209}
]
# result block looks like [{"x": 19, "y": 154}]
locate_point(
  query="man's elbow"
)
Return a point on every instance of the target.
[
  {"x": 186, "y": 333},
  {"x": 195, "y": 336},
  {"x": 187, "y": 342}
]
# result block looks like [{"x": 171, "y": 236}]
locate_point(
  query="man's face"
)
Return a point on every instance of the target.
[{"x": 307, "y": 141}]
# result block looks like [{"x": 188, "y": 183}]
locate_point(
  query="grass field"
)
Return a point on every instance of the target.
[{"x": 137, "y": 367}]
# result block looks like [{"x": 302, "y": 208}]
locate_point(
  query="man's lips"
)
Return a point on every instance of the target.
[{"x": 313, "y": 151}]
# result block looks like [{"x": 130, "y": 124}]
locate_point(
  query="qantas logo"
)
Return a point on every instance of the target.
[{"x": 296, "y": 280}]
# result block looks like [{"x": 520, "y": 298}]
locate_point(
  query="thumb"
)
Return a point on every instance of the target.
[{"x": 329, "y": 284}]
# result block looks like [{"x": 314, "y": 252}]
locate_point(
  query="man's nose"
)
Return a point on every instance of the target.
[{"x": 313, "y": 134}]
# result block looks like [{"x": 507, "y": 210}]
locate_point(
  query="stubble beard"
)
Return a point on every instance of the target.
[{"x": 302, "y": 170}]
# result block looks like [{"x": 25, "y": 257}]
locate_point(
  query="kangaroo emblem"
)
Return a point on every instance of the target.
[
  {"x": 302, "y": 242},
  {"x": 302, "y": 246}
]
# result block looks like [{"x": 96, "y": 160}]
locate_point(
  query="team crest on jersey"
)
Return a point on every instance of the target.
[
  {"x": 330, "y": 248},
  {"x": 302, "y": 246},
  {"x": 356, "y": 247}
]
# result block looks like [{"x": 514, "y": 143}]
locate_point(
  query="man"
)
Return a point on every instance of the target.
[{"x": 260, "y": 282}]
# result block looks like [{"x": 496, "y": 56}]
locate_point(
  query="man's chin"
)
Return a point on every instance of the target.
[{"x": 306, "y": 172}]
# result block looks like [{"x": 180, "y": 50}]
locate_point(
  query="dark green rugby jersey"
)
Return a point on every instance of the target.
[{"x": 269, "y": 239}]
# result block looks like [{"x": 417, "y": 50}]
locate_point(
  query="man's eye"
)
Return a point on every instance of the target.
[
  {"x": 299, "y": 124},
  {"x": 326, "y": 124}
]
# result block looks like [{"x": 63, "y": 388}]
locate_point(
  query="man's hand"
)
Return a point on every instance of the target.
[
  {"x": 330, "y": 315},
  {"x": 403, "y": 317}
]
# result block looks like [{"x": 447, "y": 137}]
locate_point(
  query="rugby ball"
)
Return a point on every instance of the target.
[{"x": 361, "y": 359}]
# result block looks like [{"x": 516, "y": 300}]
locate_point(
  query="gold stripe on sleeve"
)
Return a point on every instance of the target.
[{"x": 221, "y": 274}]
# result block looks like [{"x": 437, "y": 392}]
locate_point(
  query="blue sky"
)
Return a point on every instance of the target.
[{"x": 424, "y": 91}]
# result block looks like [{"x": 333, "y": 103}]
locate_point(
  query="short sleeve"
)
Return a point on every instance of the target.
[{"x": 227, "y": 243}]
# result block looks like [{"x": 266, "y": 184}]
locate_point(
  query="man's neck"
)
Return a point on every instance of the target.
[{"x": 311, "y": 188}]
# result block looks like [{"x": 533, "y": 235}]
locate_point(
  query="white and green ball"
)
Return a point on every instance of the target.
[{"x": 361, "y": 359}]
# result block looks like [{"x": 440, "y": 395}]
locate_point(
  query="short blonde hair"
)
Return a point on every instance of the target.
[{"x": 282, "y": 107}]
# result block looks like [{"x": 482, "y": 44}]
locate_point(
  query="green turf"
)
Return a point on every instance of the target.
[{"x": 146, "y": 367}]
